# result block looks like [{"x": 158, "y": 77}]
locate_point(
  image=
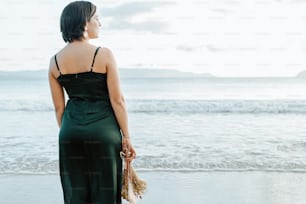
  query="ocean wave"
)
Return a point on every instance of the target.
[
  {"x": 47, "y": 166},
  {"x": 179, "y": 106},
  {"x": 218, "y": 106}
]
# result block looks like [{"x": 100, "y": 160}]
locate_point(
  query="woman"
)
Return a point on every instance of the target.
[{"x": 94, "y": 123}]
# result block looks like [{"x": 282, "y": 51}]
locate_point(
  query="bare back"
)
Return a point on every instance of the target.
[{"x": 77, "y": 58}]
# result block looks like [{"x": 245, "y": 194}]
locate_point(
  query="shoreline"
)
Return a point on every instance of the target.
[
  {"x": 174, "y": 187},
  {"x": 183, "y": 171}
]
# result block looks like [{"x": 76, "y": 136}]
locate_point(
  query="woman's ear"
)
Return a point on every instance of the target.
[{"x": 85, "y": 34}]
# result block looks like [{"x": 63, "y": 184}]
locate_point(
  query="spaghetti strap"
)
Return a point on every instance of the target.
[
  {"x": 93, "y": 61},
  {"x": 57, "y": 65}
]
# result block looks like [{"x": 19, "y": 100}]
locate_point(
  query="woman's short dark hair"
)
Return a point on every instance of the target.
[{"x": 74, "y": 18}]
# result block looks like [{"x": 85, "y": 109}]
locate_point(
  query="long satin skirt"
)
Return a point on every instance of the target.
[{"x": 89, "y": 153}]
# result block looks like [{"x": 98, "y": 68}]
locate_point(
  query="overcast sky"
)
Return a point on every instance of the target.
[{"x": 221, "y": 37}]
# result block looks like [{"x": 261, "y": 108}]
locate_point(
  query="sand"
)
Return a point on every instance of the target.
[{"x": 174, "y": 188}]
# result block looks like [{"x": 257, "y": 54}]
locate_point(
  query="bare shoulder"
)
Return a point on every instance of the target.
[
  {"x": 108, "y": 58},
  {"x": 52, "y": 65},
  {"x": 105, "y": 49},
  {"x": 106, "y": 52}
]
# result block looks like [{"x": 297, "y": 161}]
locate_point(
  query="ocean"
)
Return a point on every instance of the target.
[{"x": 185, "y": 124}]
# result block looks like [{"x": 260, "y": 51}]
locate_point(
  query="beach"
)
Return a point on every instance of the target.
[
  {"x": 175, "y": 188},
  {"x": 215, "y": 94},
  {"x": 198, "y": 140}
]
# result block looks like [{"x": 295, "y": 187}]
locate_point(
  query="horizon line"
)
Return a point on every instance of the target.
[{"x": 181, "y": 72}]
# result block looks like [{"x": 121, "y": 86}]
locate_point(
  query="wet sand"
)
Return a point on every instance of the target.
[{"x": 174, "y": 188}]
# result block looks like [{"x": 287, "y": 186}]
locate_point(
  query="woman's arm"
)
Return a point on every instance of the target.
[
  {"x": 57, "y": 94},
  {"x": 118, "y": 103}
]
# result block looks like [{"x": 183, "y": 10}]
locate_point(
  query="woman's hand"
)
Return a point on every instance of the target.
[{"x": 128, "y": 149}]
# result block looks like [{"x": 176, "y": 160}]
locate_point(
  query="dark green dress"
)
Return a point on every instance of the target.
[{"x": 89, "y": 141}]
